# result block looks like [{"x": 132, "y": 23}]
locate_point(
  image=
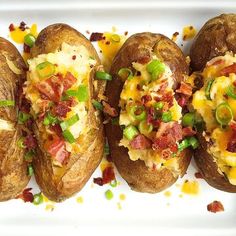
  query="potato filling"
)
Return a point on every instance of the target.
[
  {"x": 151, "y": 116},
  {"x": 57, "y": 87},
  {"x": 216, "y": 103}
]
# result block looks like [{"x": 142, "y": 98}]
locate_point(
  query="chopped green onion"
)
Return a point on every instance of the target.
[
  {"x": 145, "y": 128},
  {"x": 30, "y": 170},
  {"x": 81, "y": 94},
  {"x": 138, "y": 112},
  {"x": 49, "y": 119},
  {"x": 130, "y": 132},
  {"x": 20, "y": 142},
  {"x": 115, "y": 38},
  {"x": 166, "y": 116},
  {"x": 68, "y": 136},
  {"x": 29, "y": 155},
  {"x": 23, "y": 117},
  {"x": 45, "y": 69},
  {"x": 106, "y": 149},
  {"x": 125, "y": 73},
  {"x": 103, "y": 75},
  {"x": 183, "y": 144},
  {"x": 159, "y": 105},
  {"x": 223, "y": 114},
  {"x": 113, "y": 183},
  {"x": 231, "y": 91},
  {"x": 108, "y": 194},
  {"x": 29, "y": 40},
  {"x": 38, "y": 199},
  {"x": 155, "y": 68},
  {"x": 71, "y": 121},
  {"x": 193, "y": 142},
  {"x": 7, "y": 103},
  {"x": 188, "y": 119},
  {"x": 208, "y": 89},
  {"x": 97, "y": 105}
]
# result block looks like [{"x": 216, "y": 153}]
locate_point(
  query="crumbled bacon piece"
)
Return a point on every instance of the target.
[
  {"x": 198, "y": 175},
  {"x": 109, "y": 110},
  {"x": 108, "y": 175},
  {"x": 185, "y": 89},
  {"x": 151, "y": 119},
  {"x": 188, "y": 132},
  {"x": 26, "y": 48},
  {"x": 218, "y": 62},
  {"x": 163, "y": 87},
  {"x": 144, "y": 59},
  {"x": 22, "y": 26},
  {"x": 68, "y": 81},
  {"x": 182, "y": 100},
  {"x": 228, "y": 69},
  {"x": 145, "y": 99},
  {"x": 231, "y": 146},
  {"x": 98, "y": 181},
  {"x": 73, "y": 57},
  {"x": 57, "y": 129},
  {"x": 30, "y": 141},
  {"x": 96, "y": 37},
  {"x": 26, "y": 195},
  {"x": 61, "y": 109},
  {"x": 11, "y": 27},
  {"x": 215, "y": 207},
  {"x": 140, "y": 142}
]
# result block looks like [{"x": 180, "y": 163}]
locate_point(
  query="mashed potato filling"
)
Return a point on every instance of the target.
[
  {"x": 216, "y": 103},
  {"x": 58, "y": 88},
  {"x": 143, "y": 102}
]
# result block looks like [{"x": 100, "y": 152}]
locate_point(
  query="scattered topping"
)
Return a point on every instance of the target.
[
  {"x": 26, "y": 195},
  {"x": 140, "y": 142},
  {"x": 49, "y": 207},
  {"x": 188, "y": 119},
  {"x": 228, "y": 70},
  {"x": 29, "y": 40},
  {"x": 155, "y": 68},
  {"x": 189, "y": 32},
  {"x": 125, "y": 73},
  {"x": 109, "y": 110},
  {"x": 224, "y": 114},
  {"x": 208, "y": 89},
  {"x": 167, "y": 193},
  {"x": 108, "y": 176},
  {"x": 96, "y": 37},
  {"x": 11, "y": 27},
  {"x": 130, "y": 132},
  {"x": 190, "y": 187},
  {"x": 30, "y": 141},
  {"x": 185, "y": 89},
  {"x": 108, "y": 194},
  {"x": 38, "y": 199},
  {"x": 215, "y": 207},
  {"x": 103, "y": 75},
  {"x": 113, "y": 183},
  {"x": 198, "y": 175},
  {"x": 79, "y": 200},
  {"x": 30, "y": 170},
  {"x": 68, "y": 136},
  {"x": 97, "y": 105},
  {"x": 7, "y": 103},
  {"x": 69, "y": 122},
  {"x": 45, "y": 69},
  {"x": 122, "y": 197}
]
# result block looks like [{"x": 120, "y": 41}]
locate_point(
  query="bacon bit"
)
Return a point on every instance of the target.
[
  {"x": 233, "y": 125},
  {"x": 51, "y": 88},
  {"x": 30, "y": 142},
  {"x": 11, "y": 27},
  {"x": 108, "y": 175},
  {"x": 26, "y": 195},
  {"x": 188, "y": 132},
  {"x": 198, "y": 175},
  {"x": 61, "y": 109},
  {"x": 98, "y": 181},
  {"x": 73, "y": 57},
  {"x": 228, "y": 69},
  {"x": 56, "y": 129},
  {"x": 126, "y": 33},
  {"x": 231, "y": 146},
  {"x": 68, "y": 81},
  {"x": 144, "y": 59},
  {"x": 218, "y": 62},
  {"x": 57, "y": 149},
  {"x": 166, "y": 153},
  {"x": 145, "y": 99},
  {"x": 182, "y": 100},
  {"x": 215, "y": 207},
  {"x": 163, "y": 87},
  {"x": 26, "y": 48},
  {"x": 174, "y": 36},
  {"x": 151, "y": 118},
  {"x": 107, "y": 43},
  {"x": 185, "y": 89},
  {"x": 109, "y": 110},
  {"x": 168, "y": 97},
  {"x": 87, "y": 32},
  {"x": 96, "y": 37},
  {"x": 140, "y": 142},
  {"x": 22, "y": 26}
]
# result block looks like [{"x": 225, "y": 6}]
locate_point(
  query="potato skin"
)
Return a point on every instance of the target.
[
  {"x": 13, "y": 167},
  {"x": 216, "y": 37},
  {"x": 137, "y": 47},
  {"x": 60, "y": 183}
]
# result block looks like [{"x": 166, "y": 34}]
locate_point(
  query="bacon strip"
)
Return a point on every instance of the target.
[
  {"x": 141, "y": 142},
  {"x": 228, "y": 69},
  {"x": 185, "y": 89}
]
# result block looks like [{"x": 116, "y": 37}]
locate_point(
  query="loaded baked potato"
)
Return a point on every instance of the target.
[
  {"x": 215, "y": 101},
  {"x": 148, "y": 144},
  {"x": 13, "y": 166},
  {"x": 61, "y": 88}
]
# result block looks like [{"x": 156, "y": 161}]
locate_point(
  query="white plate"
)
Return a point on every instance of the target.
[{"x": 140, "y": 213}]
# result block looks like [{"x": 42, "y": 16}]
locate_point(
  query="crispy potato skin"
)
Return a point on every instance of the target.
[
  {"x": 13, "y": 168},
  {"x": 60, "y": 183},
  {"x": 139, "y": 46},
  {"x": 216, "y": 37}
]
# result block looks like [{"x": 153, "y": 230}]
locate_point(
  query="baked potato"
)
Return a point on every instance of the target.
[
  {"x": 61, "y": 89},
  {"x": 13, "y": 167},
  {"x": 148, "y": 144},
  {"x": 213, "y": 54}
]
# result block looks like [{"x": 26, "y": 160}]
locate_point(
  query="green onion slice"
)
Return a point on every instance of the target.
[
  {"x": 97, "y": 105},
  {"x": 155, "y": 68},
  {"x": 130, "y": 132},
  {"x": 29, "y": 40},
  {"x": 166, "y": 116},
  {"x": 81, "y": 94},
  {"x": 29, "y": 155},
  {"x": 145, "y": 128},
  {"x": 67, "y": 123},
  {"x": 7, "y": 103},
  {"x": 30, "y": 170},
  {"x": 45, "y": 69},
  {"x": 159, "y": 105},
  {"x": 108, "y": 194},
  {"x": 23, "y": 117},
  {"x": 188, "y": 119},
  {"x": 208, "y": 89},
  {"x": 50, "y": 120},
  {"x": 68, "y": 136},
  {"x": 103, "y": 75},
  {"x": 231, "y": 91},
  {"x": 193, "y": 142},
  {"x": 38, "y": 199},
  {"x": 138, "y": 112},
  {"x": 223, "y": 114},
  {"x": 183, "y": 144},
  {"x": 113, "y": 183},
  {"x": 20, "y": 142},
  {"x": 125, "y": 73}
]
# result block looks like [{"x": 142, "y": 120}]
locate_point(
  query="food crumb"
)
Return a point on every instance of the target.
[
  {"x": 87, "y": 32},
  {"x": 167, "y": 193},
  {"x": 215, "y": 207},
  {"x": 122, "y": 197},
  {"x": 119, "y": 206},
  {"x": 49, "y": 207},
  {"x": 198, "y": 175},
  {"x": 175, "y": 36},
  {"x": 125, "y": 33},
  {"x": 80, "y": 200},
  {"x": 181, "y": 195},
  {"x": 190, "y": 187},
  {"x": 189, "y": 32},
  {"x": 114, "y": 29}
]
